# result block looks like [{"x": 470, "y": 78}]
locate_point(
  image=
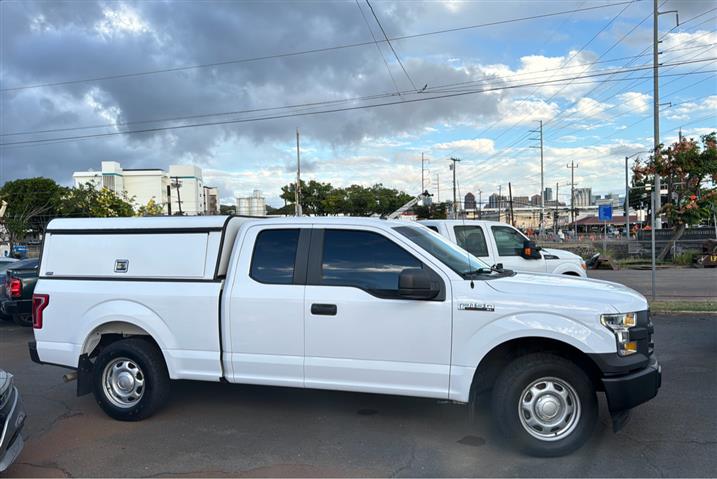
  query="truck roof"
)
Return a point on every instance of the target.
[
  {"x": 465, "y": 222},
  {"x": 203, "y": 222}
]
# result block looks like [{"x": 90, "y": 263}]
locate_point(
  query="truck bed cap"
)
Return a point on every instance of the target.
[{"x": 215, "y": 223}]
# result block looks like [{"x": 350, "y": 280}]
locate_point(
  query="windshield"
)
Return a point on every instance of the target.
[{"x": 456, "y": 258}]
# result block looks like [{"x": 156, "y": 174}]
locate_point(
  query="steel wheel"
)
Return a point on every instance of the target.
[
  {"x": 549, "y": 409},
  {"x": 123, "y": 382}
]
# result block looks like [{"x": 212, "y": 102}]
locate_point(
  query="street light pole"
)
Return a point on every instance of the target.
[{"x": 652, "y": 234}]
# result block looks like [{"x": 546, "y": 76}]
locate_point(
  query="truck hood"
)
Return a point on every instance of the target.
[
  {"x": 561, "y": 254},
  {"x": 566, "y": 290}
]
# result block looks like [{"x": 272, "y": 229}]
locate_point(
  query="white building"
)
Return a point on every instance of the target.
[
  {"x": 183, "y": 183},
  {"x": 254, "y": 205}
]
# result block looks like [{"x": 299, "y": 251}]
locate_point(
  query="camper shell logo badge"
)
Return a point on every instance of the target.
[{"x": 476, "y": 307}]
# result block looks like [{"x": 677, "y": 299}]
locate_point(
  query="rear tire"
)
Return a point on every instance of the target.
[
  {"x": 546, "y": 404},
  {"x": 130, "y": 379}
]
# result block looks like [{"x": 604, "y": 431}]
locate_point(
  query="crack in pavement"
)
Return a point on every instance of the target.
[{"x": 408, "y": 465}]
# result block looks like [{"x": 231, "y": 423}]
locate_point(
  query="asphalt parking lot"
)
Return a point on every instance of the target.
[{"x": 230, "y": 430}]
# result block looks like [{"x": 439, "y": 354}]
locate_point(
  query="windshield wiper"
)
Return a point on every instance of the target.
[{"x": 496, "y": 268}]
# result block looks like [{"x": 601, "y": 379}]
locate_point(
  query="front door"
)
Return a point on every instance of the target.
[
  {"x": 360, "y": 335},
  {"x": 509, "y": 244}
]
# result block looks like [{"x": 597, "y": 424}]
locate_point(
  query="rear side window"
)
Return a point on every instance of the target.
[
  {"x": 363, "y": 259},
  {"x": 431, "y": 227},
  {"x": 471, "y": 239},
  {"x": 274, "y": 256},
  {"x": 508, "y": 241}
]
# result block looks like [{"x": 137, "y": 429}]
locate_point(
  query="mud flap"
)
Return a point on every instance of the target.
[
  {"x": 84, "y": 375},
  {"x": 620, "y": 419}
]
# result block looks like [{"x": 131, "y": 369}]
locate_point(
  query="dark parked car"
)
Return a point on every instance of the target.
[
  {"x": 20, "y": 280},
  {"x": 5, "y": 263},
  {"x": 12, "y": 419}
]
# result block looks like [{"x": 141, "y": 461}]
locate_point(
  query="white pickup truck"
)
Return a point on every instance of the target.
[
  {"x": 348, "y": 304},
  {"x": 495, "y": 242}
]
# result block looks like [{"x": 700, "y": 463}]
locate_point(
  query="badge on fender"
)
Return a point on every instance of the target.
[{"x": 476, "y": 307}]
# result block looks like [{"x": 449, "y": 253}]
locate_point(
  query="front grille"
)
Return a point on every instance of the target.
[{"x": 642, "y": 333}]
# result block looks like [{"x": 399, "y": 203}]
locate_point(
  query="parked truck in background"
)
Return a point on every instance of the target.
[
  {"x": 19, "y": 283},
  {"x": 349, "y": 304},
  {"x": 495, "y": 242}
]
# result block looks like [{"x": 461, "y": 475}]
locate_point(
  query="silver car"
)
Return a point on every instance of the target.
[{"x": 12, "y": 418}]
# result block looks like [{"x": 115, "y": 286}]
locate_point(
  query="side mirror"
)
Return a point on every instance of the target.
[
  {"x": 530, "y": 250},
  {"x": 417, "y": 283}
]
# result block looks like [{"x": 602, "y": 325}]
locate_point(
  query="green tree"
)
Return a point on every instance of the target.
[
  {"x": 31, "y": 204},
  {"x": 87, "y": 201},
  {"x": 690, "y": 170},
  {"x": 227, "y": 209},
  {"x": 152, "y": 208}
]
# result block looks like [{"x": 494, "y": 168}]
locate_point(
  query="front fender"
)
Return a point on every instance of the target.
[
  {"x": 470, "y": 349},
  {"x": 567, "y": 267}
]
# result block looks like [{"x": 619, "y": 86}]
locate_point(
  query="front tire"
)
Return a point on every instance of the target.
[
  {"x": 546, "y": 404},
  {"x": 130, "y": 379}
]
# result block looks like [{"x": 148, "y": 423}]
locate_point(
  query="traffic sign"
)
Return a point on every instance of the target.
[{"x": 605, "y": 212}]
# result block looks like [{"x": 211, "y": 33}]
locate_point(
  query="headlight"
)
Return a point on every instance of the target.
[{"x": 620, "y": 325}]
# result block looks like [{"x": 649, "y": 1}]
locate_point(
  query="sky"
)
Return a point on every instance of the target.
[{"x": 225, "y": 85}]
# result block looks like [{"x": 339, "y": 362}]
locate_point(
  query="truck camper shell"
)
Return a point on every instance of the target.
[{"x": 172, "y": 248}]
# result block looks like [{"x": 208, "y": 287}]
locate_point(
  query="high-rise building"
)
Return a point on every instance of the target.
[
  {"x": 497, "y": 201},
  {"x": 583, "y": 197},
  {"x": 469, "y": 202},
  {"x": 140, "y": 186},
  {"x": 548, "y": 194},
  {"x": 535, "y": 200}
]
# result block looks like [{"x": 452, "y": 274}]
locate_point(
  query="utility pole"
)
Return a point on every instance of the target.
[
  {"x": 510, "y": 195},
  {"x": 542, "y": 186},
  {"x": 177, "y": 185},
  {"x": 169, "y": 200},
  {"x": 572, "y": 167},
  {"x": 297, "y": 190},
  {"x": 627, "y": 203},
  {"x": 500, "y": 201},
  {"x": 455, "y": 204},
  {"x": 656, "y": 96},
  {"x": 480, "y": 204},
  {"x": 557, "y": 201}
]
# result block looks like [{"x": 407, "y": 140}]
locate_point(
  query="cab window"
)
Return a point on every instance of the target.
[
  {"x": 363, "y": 259},
  {"x": 509, "y": 241},
  {"x": 471, "y": 239},
  {"x": 274, "y": 256}
]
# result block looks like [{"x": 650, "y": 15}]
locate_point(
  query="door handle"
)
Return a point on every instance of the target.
[{"x": 323, "y": 309}]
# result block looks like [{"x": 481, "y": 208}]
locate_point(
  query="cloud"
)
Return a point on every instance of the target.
[
  {"x": 476, "y": 145},
  {"x": 635, "y": 102}
]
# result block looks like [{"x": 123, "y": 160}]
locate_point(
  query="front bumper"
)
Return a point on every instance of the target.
[
  {"x": 627, "y": 391},
  {"x": 11, "y": 442}
]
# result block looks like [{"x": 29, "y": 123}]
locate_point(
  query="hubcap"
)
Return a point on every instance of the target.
[
  {"x": 549, "y": 409},
  {"x": 123, "y": 382}
]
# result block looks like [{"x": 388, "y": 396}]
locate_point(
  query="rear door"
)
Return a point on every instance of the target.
[
  {"x": 508, "y": 245},
  {"x": 266, "y": 306},
  {"x": 360, "y": 335},
  {"x": 472, "y": 239}
]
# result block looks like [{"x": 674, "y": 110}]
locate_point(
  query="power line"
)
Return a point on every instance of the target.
[
  {"x": 295, "y": 114},
  {"x": 378, "y": 47},
  {"x": 312, "y": 51},
  {"x": 391, "y": 46},
  {"x": 445, "y": 88}
]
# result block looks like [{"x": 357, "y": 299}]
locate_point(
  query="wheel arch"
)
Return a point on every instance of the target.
[{"x": 502, "y": 354}]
